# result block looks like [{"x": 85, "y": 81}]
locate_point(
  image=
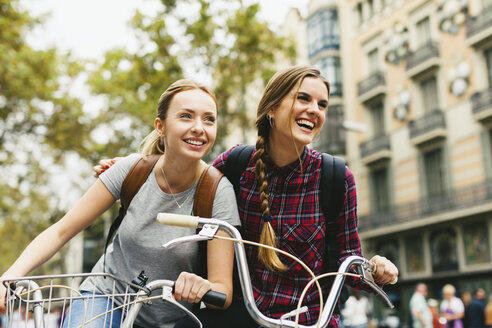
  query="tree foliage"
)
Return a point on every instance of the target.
[{"x": 223, "y": 42}]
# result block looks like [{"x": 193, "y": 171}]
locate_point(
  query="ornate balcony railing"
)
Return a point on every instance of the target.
[
  {"x": 375, "y": 145},
  {"x": 473, "y": 195},
  {"x": 421, "y": 55},
  {"x": 475, "y": 25},
  {"x": 482, "y": 104},
  {"x": 435, "y": 120},
  {"x": 371, "y": 82}
]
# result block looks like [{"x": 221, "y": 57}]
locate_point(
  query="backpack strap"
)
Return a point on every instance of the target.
[
  {"x": 332, "y": 189},
  {"x": 135, "y": 178},
  {"x": 205, "y": 192},
  {"x": 202, "y": 206},
  {"x": 236, "y": 164},
  {"x": 332, "y": 185}
]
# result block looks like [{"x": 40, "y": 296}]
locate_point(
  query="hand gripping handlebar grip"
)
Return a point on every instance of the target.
[
  {"x": 179, "y": 220},
  {"x": 214, "y": 298}
]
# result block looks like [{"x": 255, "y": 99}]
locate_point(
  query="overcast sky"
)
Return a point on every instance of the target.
[{"x": 90, "y": 27}]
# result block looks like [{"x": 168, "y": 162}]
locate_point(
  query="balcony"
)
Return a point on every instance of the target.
[
  {"x": 456, "y": 203},
  {"x": 372, "y": 87},
  {"x": 376, "y": 149},
  {"x": 479, "y": 28},
  {"x": 423, "y": 59},
  {"x": 336, "y": 90},
  {"x": 482, "y": 105},
  {"x": 430, "y": 127}
]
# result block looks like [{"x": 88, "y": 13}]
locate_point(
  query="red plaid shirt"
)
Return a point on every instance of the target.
[{"x": 299, "y": 224}]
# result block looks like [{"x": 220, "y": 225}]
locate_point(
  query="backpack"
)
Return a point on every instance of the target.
[
  {"x": 332, "y": 195},
  {"x": 202, "y": 204}
]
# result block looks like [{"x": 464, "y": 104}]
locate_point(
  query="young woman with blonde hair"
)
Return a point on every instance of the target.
[{"x": 185, "y": 130}]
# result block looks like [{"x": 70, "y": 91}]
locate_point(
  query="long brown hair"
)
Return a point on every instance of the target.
[
  {"x": 152, "y": 143},
  {"x": 279, "y": 86}
]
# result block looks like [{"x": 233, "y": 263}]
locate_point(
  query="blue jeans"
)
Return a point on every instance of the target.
[{"x": 75, "y": 316}]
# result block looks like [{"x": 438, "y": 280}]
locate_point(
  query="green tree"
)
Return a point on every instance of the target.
[
  {"x": 222, "y": 40},
  {"x": 39, "y": 123}
]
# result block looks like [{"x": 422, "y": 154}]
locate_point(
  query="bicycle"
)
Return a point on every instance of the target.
[
  {"x": 209, "y": 228},
  {"x": 45, "y": 295},
  {"x": 131, "y": 302}
]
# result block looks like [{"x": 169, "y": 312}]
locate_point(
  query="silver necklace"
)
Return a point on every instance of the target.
[{"x": 172, "y": 193}]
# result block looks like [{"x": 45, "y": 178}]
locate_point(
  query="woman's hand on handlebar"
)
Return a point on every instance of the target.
[
  {"x": 103, "y": 165},
  {"x": 385, "y": 272},
  {"x": 190, "y": 288}
]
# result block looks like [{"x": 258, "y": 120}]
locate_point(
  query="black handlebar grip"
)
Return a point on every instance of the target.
[{"x": 214, "y": 298}]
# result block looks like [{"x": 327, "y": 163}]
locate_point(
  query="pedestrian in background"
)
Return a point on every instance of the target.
[
  {"x": 434, "y": 307},
  {"x": 420, "y": 311},
  {"x": 488, "y": 313},
  {"x": 356, "y": 310},
  {"x": 452, "y": 308},
  {"x": 476, "y": 309}
]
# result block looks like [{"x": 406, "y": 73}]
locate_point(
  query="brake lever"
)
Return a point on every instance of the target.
[
  {"x": 365, "y": 271},
  {"x": 207, "y": 232},
  {"x": 167, "y": 296}
]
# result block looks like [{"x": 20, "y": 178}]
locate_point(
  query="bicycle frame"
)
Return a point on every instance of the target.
[{"x": 208, "y": 229}]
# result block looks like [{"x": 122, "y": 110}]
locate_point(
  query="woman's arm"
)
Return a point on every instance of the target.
[
  {"x": 94, "y": 202},
  {"x": 220, "y": 260}
]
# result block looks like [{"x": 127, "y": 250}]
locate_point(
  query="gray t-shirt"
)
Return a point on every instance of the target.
[{"x": 137, "y": 244}]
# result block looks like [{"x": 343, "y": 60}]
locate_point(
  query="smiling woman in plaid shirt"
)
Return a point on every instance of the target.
[{"x": 279, "y": 204}]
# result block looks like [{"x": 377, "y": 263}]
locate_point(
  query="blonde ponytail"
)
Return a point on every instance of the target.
[
  {"x": 267, "y": 256},
  {"x": 152, "y": 144}
]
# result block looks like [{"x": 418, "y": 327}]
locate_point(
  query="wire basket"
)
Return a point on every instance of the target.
[{"x": 55, "y": 301}]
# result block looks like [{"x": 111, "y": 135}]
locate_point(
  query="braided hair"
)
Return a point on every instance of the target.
[{"x": 279, "y": 86}]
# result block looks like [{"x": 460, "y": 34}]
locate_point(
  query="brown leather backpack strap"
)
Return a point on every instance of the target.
[
  {"x": 136, "y": 178},
  {"x": 205, "y": 192}
]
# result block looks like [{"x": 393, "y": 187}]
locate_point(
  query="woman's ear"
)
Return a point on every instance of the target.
[{"x": 159, "y": 127}]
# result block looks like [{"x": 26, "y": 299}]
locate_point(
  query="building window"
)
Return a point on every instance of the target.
[
  {"x": 332, "y": 137},
  {"x": 414, "y": 254},
  {"x": 380, "y": 201},
  {"x": 434, "y": 172},
  {"x": 476, "y": 239},
  {"x": 488, "y": 60},
  {"x": 423, "y": 32},
  {"x": 377, "y": 118},
  {"x": 330, "y": 68},
  {"x": 428, "y": 89},
  {"x": 323, "y": 31},
  {"x": 360, "y": 13},
  {"x": 443, "y": 249},
  {"x": 373, "y": 61}
]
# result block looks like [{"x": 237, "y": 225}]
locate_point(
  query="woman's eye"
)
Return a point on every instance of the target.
[
  {"x": 303, "y": 98},
  {"x": 210, "y": 119},
  {"x": 185, "y": 115}
]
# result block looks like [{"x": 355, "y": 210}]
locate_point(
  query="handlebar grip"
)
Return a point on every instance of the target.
[
  {"x": 179, "y": 220},
  {"x": 214, "y": 298}
]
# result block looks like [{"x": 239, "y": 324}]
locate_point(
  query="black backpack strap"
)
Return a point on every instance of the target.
[
  {"x": 135, "y": 178},
  {"x": 332, "y": 185},
  {"x": 236, "y": 163},
  {"x": 332, "y": 197}
]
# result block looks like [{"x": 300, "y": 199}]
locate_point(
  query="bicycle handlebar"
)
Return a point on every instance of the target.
[{"x": 210, "y": 227}]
